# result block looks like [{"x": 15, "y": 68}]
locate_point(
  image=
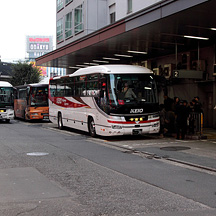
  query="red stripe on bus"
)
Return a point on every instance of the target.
[
  {"x": 63, "y": 102},
  {"x": 132, "y": 122}
]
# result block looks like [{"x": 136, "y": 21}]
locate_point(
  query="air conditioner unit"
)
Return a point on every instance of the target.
[
  {"x": 199, "y": 65},
  {"x": 156, "y": 71}
]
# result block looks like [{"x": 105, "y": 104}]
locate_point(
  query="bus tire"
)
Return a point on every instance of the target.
[
  {"x": 60, "y": 122},
  {"x": 91, "y": 127}
]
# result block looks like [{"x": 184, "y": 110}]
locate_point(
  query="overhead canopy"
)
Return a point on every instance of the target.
[{"x": 157, "y": 30}]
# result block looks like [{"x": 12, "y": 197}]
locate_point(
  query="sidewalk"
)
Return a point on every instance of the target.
[
  {"x": 210, "y": 133},
  {"x": 195, "y": 150}
]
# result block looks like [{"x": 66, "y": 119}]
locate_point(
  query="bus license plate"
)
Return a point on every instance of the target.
[
  {"x": 137, "y": 131},
  {"x": 46, "y": 117}
]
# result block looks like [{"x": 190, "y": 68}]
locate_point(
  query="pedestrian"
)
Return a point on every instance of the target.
[
  {"x": 197, "y": 105},
  {"x": 162, "y": 120},
  {"x": 176, "y": 102},
  {"x": 168, "y": 102},
  {"x": 182, "y": 114}
]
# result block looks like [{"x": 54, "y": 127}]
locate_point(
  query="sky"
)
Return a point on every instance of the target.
[{"x": 20, "y": 18}]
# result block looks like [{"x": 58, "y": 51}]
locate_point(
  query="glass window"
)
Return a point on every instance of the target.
[
  {"x": 80, "y": 89},
  {"x": 39, "y": 96},
  {"x": 78, "y": 19},
  {"x": 112, "y": 13},
  {"x": 22, "y": 93},
  {"x": 53, "y": 88},
  {"x": 68, "y": 1},
  {"x": 60, "y": 88},
  {"x": 132, "y": 88},
  {"x": 60, "y": 4},
  {"x": 6, "y": 95},
  {"x": 59, "y": 30},
  {"x": 129, "y": 6},
  {"x": 92, "y": 85},
  {"x": 112, "y": 18},
  {"x": 69, "y": 87},
  {"x": 68, "y": 25}
]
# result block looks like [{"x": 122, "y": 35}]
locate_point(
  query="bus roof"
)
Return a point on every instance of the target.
[
  {"x": 5, "y": 84},
  {"x": 32, "y": 85},
  {"x": 112, "y": 69}
]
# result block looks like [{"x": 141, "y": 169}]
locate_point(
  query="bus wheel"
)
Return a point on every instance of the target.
[
  {"x": 60, "y": 123},
  {"x": 91, "y": 127}
]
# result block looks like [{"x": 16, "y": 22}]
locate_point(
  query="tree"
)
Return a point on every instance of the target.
[{"x": 24, "y": 73}]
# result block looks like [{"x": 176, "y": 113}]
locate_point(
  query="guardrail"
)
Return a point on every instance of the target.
[{"x": 196, "y": 123}]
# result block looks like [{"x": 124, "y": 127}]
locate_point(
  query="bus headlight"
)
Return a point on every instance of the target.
[
  {"x": 155, "y": 125},
  {"x": 34, "y": 113},
  {"x": 116, "y": 127},
  {"x": 150, "y": 116},
  {"x": 153, "y": 116}
]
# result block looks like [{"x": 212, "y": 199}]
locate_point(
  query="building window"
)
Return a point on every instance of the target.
[
  {"x": 59, "y": 30},
  {"x": 112, "y": 18},
  {"x": 68, "y": 1},
  {"x": 60, "y": 4},
  {"x": 112, "y": 13},
  {"x": 78, "y": 19},
  {"x": 129, "y": 6},
  {"x": 68, "y": 25}
]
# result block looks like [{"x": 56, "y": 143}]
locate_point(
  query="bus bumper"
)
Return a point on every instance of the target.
[
  {"x": 139, "y": 129},
  {"x": 8, "y": 114}
]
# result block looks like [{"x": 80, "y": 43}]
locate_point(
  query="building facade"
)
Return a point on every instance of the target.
[
  {"x": 174, "y": 38},
  {"x": 78, "y": 18}
]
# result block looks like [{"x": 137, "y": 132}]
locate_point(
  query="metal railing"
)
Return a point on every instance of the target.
[{"x": 195, "y": 123}]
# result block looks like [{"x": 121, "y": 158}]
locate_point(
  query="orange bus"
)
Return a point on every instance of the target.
[{"x": 31, "y": 101}]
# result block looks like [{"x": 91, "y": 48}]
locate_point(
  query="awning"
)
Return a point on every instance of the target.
[{"x": 159, "y": 30}]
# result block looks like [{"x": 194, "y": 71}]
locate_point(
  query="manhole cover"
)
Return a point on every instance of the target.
[
  {"x": 37, "y": 154},
  {"x": 175, "y": 148}
]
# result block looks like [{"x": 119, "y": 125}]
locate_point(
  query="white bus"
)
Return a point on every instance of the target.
[
  {"x": 96, "y": 100},
  {"x": 6, "y": 101}
]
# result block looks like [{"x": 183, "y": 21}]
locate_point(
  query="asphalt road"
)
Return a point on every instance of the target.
[{"x": 45, "y": 171}]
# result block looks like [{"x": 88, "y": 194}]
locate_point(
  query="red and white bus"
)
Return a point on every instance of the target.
[
  {"x": 6, "y": 101},
  {"x": 31, "y": 101},
  {"x": 95, "y": 100}
]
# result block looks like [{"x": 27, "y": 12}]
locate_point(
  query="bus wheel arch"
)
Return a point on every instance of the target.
[
  {"x": 60, "y": 121},
  {"x": 91, "y": 126}
]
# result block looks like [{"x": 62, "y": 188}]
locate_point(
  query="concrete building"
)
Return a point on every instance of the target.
[{"x": 175, "y": 38}]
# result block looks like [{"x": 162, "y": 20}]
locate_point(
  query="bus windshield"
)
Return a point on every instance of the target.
[
  {"x": 6, "y": 96},
  {"x": 39, "y": 96},
  {"x": 129, "y": 91}
]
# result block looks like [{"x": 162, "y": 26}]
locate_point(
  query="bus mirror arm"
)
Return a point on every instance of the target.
[{"x": 101, "y": 93}]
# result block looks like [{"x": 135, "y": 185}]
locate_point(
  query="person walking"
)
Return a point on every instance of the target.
[{"x": 182, "y": 114}]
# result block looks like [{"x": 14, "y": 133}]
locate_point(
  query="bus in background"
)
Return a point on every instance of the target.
[
  {"x": 31, "y": 101},
  {"x": 106, "y": 100},
  {"x": 6, "y": 101}
]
